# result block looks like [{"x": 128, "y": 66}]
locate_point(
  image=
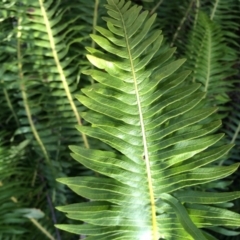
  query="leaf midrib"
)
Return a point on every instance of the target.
[
  {"x": 214, "y": 9},
  {"x": 60, "y": 69},
  {"x": 209, "y": 56},
  {"x": 144, "y": 137}
]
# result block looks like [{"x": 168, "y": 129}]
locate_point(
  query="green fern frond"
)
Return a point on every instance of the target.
[
  {"x": 207, "y": 57},
  {"x": 226, "y": 14},
  {"x": 43, "y": 117},
  {"x": 47, "y": 75},
  {"x": 164, "y": 141}
]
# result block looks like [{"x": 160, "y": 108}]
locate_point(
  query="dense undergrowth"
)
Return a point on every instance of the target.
[{"x": 43, "y": 70}]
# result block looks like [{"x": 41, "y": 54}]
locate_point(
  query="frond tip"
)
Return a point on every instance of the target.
[{"x": 164, "y": 141}]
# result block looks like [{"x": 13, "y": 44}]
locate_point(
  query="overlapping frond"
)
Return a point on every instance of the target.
[
  {"x": 207, "y": 57},
  {"x": 226, "y": 14},
  {"x": 39, "y": 75},
  {"x": 163, "y": 138},
  {"x": 53, "y": 67}
]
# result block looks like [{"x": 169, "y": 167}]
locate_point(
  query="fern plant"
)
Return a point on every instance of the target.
[
  {"x": 162, "y": 140},
  {"x": 37, "y": 81}
]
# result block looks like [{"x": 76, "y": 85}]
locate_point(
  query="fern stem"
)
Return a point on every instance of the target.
[
  {"x": 10, "y": 105},
  {"x": 193, "y": 33},
  {"x": 214, "y": 9},
  {"x": 181, "y": 23},
  {"x": 208, "y": 64},
  {"x": 25, "y": 99},
  {"x": 34, "y": 178},
  {"x": 197, "y": 12},
  {"x": 53, "y": 216},
  {"x": 42, "y": 229},
  {"x": 51, "y": 207},
  {"x": 156, "y": 7},
  {"x": 95, "y": 18},
  {"x": 144, "y": 138},
  {"x": 236, "y": 134},
  {"x": 60, "y": 69}
]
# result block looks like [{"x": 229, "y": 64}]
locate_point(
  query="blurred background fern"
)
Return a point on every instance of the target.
[{"x": 42, "y": 55}]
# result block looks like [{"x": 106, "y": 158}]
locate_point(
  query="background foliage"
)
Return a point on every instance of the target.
[{"x": 42, "y": 57}]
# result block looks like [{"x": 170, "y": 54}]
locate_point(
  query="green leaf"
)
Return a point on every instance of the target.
[
  {"x": 206, "y": 197},
  {"x": 158, "y": 127},
  {"x": 183, "y": 217}
]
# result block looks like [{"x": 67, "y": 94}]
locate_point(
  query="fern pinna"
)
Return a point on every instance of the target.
[{"x": 158, "y": 125}]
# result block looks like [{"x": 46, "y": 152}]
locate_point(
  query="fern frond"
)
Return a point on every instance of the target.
[
  {"x": 207, "y": 57},
  {"x": 162, "y": 135},
  {"x": 226, "y": 14},
  {"x": 45, "y": 67},
  {"x": 31, "y": 80}
]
